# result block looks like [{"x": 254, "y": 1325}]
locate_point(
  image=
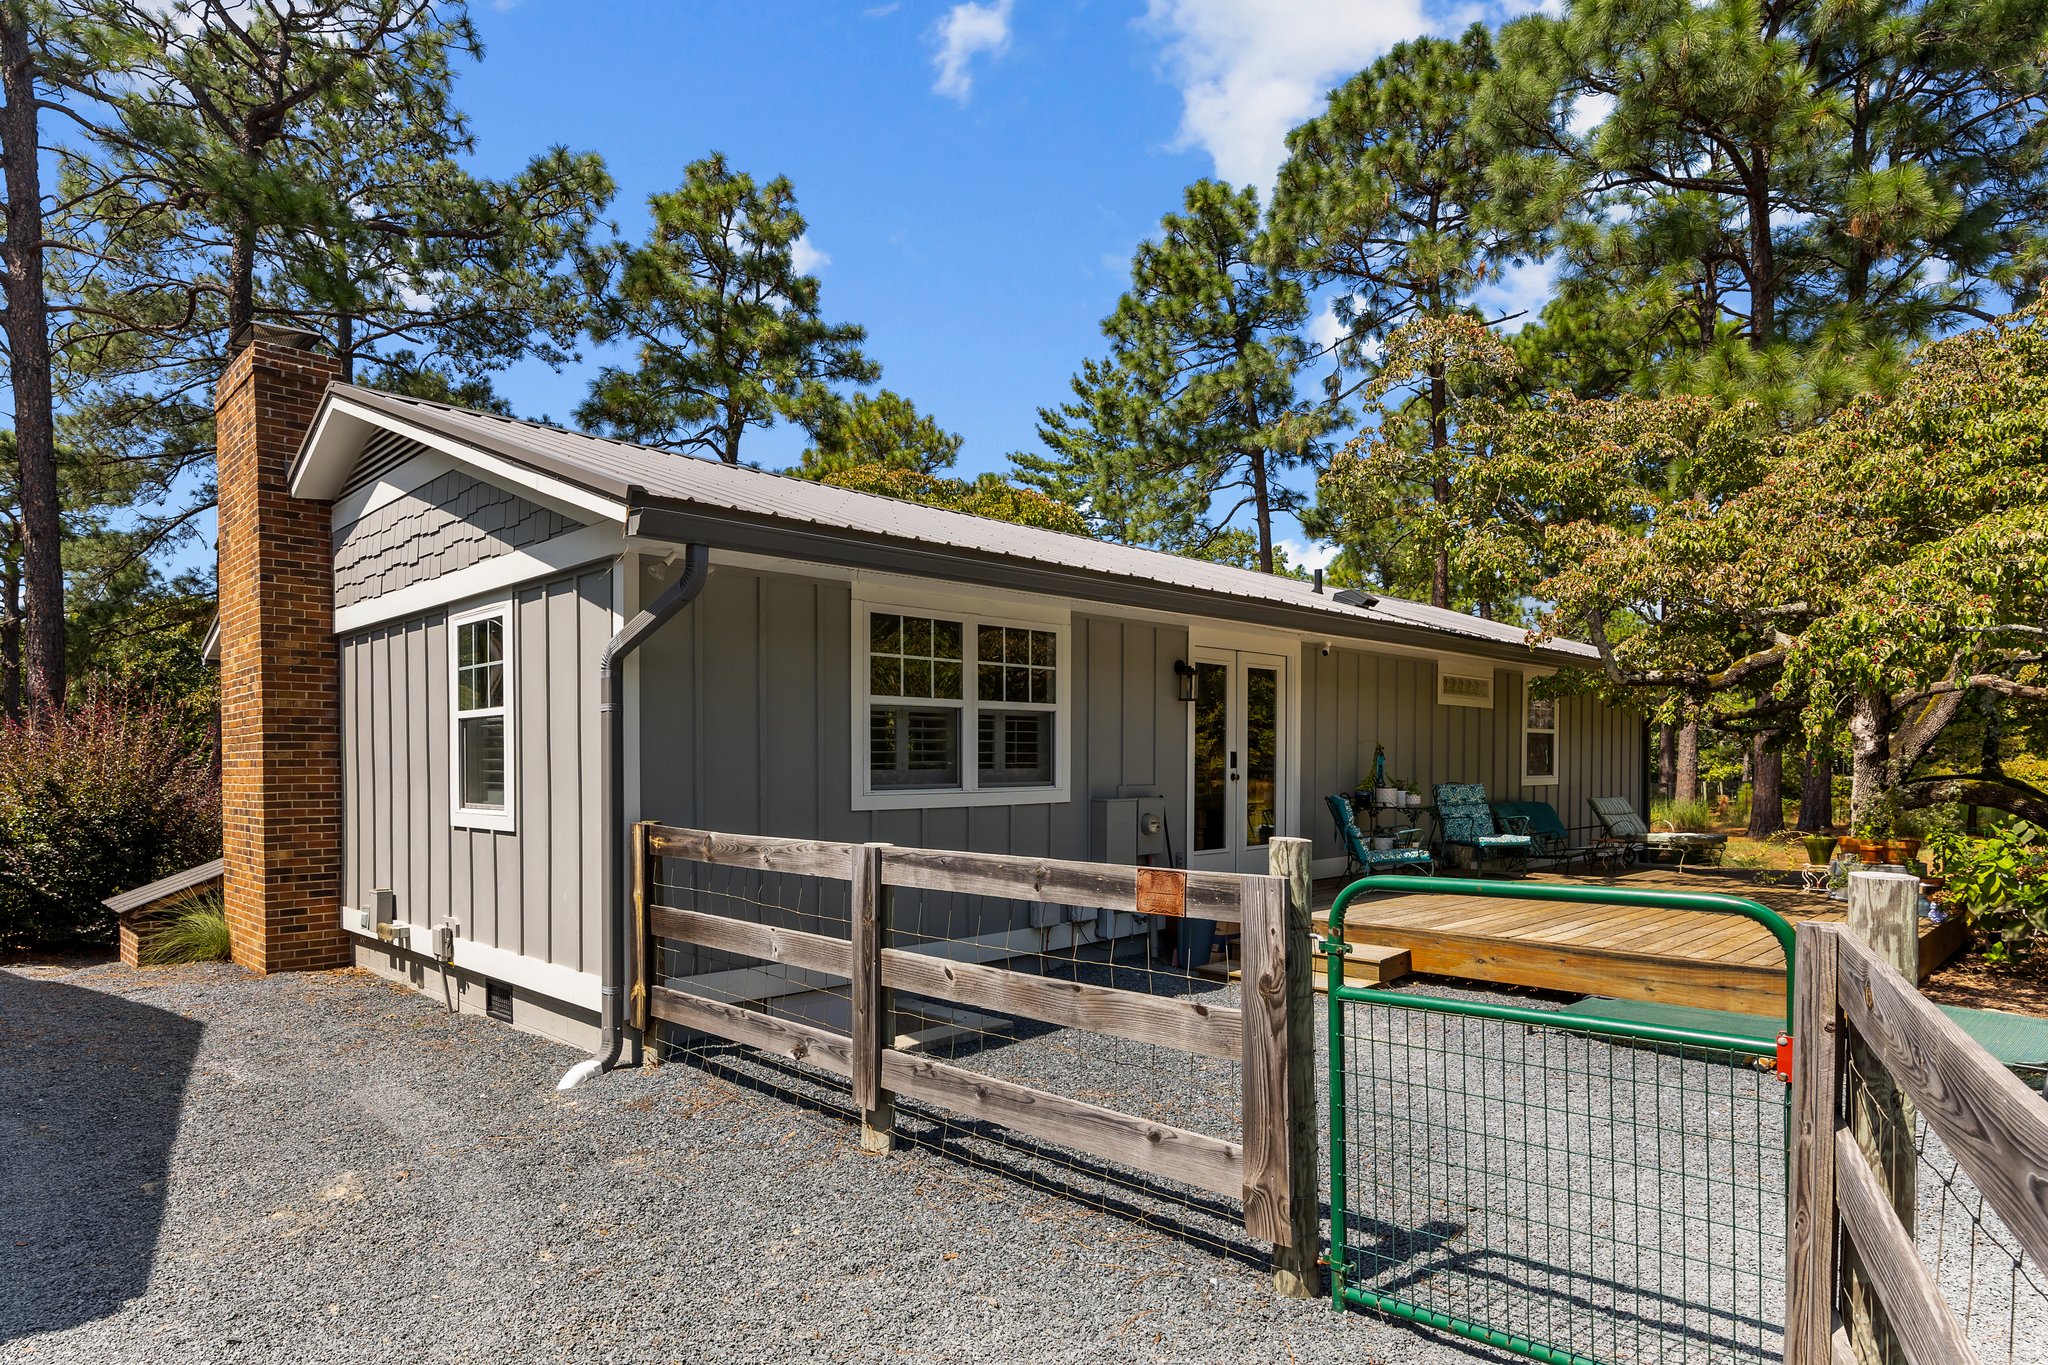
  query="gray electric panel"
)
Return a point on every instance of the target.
[{"x": 1131, "y": 830}]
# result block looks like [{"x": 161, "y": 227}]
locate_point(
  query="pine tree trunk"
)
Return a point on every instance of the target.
[
  {"x": 28, "y": 363},
  {"x": 1767, "y": 786},
  {"x": 1817, "y": 791},
  {"x": 1262, "y": 496},
  {"x": 1439, "y": 438},
  {"x": 1685, "y": 783},
  {"x": 1667, "y": 757}
]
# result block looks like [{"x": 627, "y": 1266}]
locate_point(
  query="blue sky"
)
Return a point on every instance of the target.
[{"x": 974, "y": 175}]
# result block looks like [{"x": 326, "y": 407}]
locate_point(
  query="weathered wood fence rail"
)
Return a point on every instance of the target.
[
  {"x": 1272, "y": 1171},
  {"x": 1856, "y": 1287}
]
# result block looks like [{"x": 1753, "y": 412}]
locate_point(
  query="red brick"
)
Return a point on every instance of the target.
[{"x": 280, "y": 717}]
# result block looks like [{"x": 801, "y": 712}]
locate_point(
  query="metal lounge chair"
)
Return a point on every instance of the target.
[
  {"x": 1541, "y": 822},
  {"x": 1361, "y": 857},
  {"x": 1465, "y": 820},
  {"x": 1625, "y": 828}
]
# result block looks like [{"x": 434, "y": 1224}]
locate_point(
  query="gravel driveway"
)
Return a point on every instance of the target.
[{"x": 200, "y": 1166}]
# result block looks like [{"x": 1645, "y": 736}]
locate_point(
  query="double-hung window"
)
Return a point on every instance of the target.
[
  {"x": 955, "y": 708},
  {"x": 481, "y": 729},
  {"x": 1539, "y": 739}
]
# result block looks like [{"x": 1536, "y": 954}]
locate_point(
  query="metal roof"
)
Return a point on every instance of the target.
[{"x": 657, "y": 481}]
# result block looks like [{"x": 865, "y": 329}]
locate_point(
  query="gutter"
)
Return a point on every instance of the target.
[{"x": 611, "y": 681}]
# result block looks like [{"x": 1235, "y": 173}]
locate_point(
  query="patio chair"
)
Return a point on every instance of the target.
[
  {"x": 1626, "y": 829},
  {"x": 1542, "y": 823},
  {"x": 1361, "y": 858},
  {"x": 1465, "y": 820}
]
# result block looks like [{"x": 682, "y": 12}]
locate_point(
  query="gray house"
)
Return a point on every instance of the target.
[{"x": 814, "y": 662}]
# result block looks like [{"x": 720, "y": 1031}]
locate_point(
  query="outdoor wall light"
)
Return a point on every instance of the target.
[{"x": 1184, "y": 679}]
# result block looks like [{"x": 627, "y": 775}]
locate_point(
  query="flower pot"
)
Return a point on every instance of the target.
[
  {"x": 1385, "y": 796},
  {"x": 1382, "y": 842},
  {"x": 1905, "y": 848},
  {"x": 1869, "y": 850},
  {"x": 1414, "y": 799},
  {"x": 1818, "y": 847}
]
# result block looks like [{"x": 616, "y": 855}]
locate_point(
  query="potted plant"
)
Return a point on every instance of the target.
[
  {"x": 1818, "y": 847},
  {"x": 1382, "y": 842},
  {"x": 1906, "y": 838}
]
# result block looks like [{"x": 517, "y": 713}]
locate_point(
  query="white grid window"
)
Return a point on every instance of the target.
[
  {"x": 1539, "y": 740},
  {"x": 956, "y": 707},
  {"x": 480, "y": 647}
]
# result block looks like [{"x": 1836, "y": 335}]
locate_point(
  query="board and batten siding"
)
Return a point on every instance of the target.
[
  {"x": 1352, "y": 700},
  {"x": 532, "y": 890},
  {"x": 746, "y": 700}
]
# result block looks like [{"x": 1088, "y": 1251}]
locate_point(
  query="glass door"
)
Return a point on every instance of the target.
[{"x": 1239, "y": 769}]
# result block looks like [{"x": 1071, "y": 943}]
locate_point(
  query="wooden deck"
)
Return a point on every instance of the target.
[{"x": 1677, "y": 957}]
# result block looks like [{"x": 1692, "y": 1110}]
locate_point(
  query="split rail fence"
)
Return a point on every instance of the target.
[
  {"x": 1874, "y": 1062},
  {"x": 1270, "y": 1034}
]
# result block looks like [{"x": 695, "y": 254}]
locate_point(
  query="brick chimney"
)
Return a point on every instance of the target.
[{"x": 279, "y": 667}]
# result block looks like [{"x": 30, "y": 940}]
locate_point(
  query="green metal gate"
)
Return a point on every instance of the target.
[{"x": 1576, "y": 1189}]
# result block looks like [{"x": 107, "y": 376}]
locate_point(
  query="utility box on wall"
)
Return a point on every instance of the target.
[{"x": 1131, "y": 830}]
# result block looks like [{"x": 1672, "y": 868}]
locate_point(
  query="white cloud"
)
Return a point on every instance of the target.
[
  {"x": 1249, "y": 70},
  {"x": 1307, "y": 554},
  {"x": 805, "y": 257},
  {"x": 1518, "y": 292},
  {"x": 1324, "y": 330},
  {"x": 965, "y": 33},
  {"x": 1589, "y": 112}
]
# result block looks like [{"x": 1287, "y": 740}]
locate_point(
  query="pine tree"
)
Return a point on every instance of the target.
[
  {"x": 727, "y": 332},
  {"x": 885, "y": 431},
  {"x": 1384, "y": 198},
  {"x": 1209, "y": 335}
]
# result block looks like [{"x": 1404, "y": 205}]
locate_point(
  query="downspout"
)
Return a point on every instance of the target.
[{"x": 611, "y": 684}]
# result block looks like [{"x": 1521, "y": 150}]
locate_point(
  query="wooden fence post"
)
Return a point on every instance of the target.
[
  {"x": 873, "y": 1019},
  {"x": 643, "y": 945},
  {"x": 1294, "y": 1137},
  {"x": 1884, "y": 912},
  {"x": 1810, "y": 1241}
]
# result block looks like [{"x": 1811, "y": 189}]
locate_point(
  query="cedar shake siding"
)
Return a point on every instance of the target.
[{"x": 447, "y": 523}]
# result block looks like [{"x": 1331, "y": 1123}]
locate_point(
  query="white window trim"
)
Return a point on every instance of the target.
[
  {"x": 1530, "y": 779},
  {"x": 967, "y": 794},
  {"x": 470, "y": 817}
]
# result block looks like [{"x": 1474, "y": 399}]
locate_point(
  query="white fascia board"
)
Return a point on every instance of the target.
[
  {"x": 549, "y": 979},
  {"x": 317, "y": 467},
  {"x": 543, "y": 559}
]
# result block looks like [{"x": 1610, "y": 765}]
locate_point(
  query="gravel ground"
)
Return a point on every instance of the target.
[{"x": 196, "y": 1165}]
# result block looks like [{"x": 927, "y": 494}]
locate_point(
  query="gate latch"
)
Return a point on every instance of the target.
[{"x": 1785, "y": 1058}]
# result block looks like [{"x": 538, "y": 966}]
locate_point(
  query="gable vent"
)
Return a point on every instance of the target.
[
  {"x": 1464, "y": 689},
  {"x": 382, "y": 453}
]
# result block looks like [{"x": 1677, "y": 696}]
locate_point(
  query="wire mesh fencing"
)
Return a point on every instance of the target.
[
  {"x": 1053, "y": 954},
  {"x": 1073, "y": 945},
  {"x": 1563, "y": 1193},
  {"x": 1996, "y": 1292}
]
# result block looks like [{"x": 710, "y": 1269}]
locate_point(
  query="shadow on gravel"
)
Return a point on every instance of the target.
[{"x": 90, "y": 1090}]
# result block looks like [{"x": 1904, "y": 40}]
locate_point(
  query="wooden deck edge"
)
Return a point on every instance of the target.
[{"x": 1585, "y": 971}]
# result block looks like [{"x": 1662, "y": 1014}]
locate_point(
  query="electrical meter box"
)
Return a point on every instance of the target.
[{"x": 1131, "y": 830}]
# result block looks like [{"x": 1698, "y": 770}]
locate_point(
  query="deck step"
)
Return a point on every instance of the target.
[{"x": 1365, "y": 964}]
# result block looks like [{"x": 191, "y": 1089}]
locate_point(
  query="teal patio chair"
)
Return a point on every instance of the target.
[
  {"x": 1361, "y": 858},
  {"x": 1465, "y": 820}
]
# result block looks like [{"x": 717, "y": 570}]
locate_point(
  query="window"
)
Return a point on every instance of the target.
[
  {"x": 1539, "y": 740},
  {"x": 959, "y": 706},
  {"x": 481, "y": 734}
]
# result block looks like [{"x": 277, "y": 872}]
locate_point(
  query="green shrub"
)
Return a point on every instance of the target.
[
  {"x": 2000, "y": 883},
  {"x": 194, "y": 929},
  {"x": 100, "y": 797}
]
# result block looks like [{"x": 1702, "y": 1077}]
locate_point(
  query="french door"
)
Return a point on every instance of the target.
[{"x": 1240, "y": 764}]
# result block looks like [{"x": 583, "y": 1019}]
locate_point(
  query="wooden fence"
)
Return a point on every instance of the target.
[
  {"x": 1856, "y": 1287},
  {"x": 1273, "y": 1170}
]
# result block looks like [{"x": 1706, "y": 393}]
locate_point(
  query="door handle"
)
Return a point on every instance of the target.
[{"x": 1233, "y": 777}]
